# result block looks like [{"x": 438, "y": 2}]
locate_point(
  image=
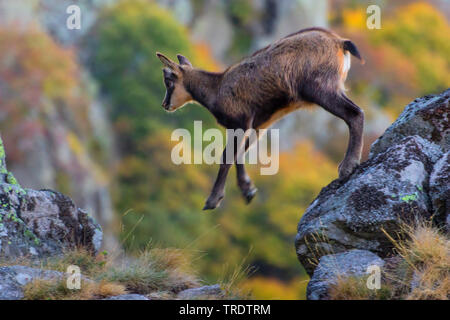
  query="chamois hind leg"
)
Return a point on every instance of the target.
[
  {"x": 341, "y": 106},
  {"x": 246, "y": 185}
]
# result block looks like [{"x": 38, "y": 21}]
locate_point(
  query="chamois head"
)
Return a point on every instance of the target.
[{"x": 176, "y": 94}]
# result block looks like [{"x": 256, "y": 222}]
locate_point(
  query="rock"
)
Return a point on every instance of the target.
[
  {"x": 132, "y": 296},
  {"x": 41, "y": 223},
  {"x": 52, "y": 16},
  {"x": 383, "y": 191},
  {"x": 201, "y": 292},
  {"x": 427, "y": 117},
  {"x": 347, "y": 264},
  {"x": 405, "y": 179},
  {"x": 14, "y": 278},
  {"x": 440, "y": 190},
  {"x": 3, "y": 171}
]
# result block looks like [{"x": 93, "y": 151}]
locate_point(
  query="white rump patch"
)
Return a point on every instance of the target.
[{"x": 347, "y": 62}]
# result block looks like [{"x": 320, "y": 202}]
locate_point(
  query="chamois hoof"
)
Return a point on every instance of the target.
[
  {"x": 347, "y": 169},
  {"x": 250, "y": 194},
  {"x": 212, "y": 204}
]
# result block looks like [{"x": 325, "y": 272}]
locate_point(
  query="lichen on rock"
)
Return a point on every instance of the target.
[{"x": 40, "y": 223}]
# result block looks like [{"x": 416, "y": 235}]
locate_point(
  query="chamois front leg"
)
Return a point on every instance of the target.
[{"x": 218, "y": 191}]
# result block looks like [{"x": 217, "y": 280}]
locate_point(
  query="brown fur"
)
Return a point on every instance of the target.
[{"x": 301, "y": 69}]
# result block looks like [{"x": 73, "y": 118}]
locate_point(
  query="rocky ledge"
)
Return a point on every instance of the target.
[
  {"x": 40, "y": 223},
  {"x": 405, "y": 178}
]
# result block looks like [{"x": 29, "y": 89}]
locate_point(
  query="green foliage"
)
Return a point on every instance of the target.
[
  {"x": 240, "y": 10},
  {"x": 124, "y": 61},
  {"x": 408, "y": 57},
  {"x": 241, "y": 13},
  {"x": 430, "y": 55}
]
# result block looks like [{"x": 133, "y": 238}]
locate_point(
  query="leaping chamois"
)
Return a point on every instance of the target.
[{"x": 306, "y": 67}]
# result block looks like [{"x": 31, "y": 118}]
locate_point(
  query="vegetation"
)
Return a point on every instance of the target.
[
  {"x": 421, "y": 270},
  {"x": 57, "y": 290},
  {"x": 154, "y": 270},
  {"x": 159, "y": 273},
  {"x": 408, "y": 68}
]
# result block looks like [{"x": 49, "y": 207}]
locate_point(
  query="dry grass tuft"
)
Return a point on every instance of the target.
[
  {"x": 232, "y": 281},
  {"x": 154, "y": 270},
  {"x": 163, "y": 272},
  {"x": 57, "y": 290},
  {"x": 354, "y": 288},
  {"x": 90, "y": 265},
  {"x": 427, "y": 262},
  {"x": 422, "y": 272}
]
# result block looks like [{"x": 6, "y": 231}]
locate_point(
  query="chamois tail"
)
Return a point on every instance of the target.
[{"x": 351, "y": 47}]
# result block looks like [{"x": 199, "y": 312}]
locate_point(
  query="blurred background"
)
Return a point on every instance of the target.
[{"x": 80, "y": 112}]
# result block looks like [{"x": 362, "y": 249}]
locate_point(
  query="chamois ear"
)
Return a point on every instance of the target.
[
  {"x": 183, "y": 60},
  {"x": 166, "y": 61}
]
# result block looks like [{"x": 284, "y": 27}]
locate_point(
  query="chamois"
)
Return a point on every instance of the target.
[{"x": 303, "y": 68}]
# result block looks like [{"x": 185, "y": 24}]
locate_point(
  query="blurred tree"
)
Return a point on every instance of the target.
[
  {"x": 29, "y": 78},
  {"x": 123, "y": 59},
  {"x": 52, "y": 125},
  {"x": 408, "y": 57},
  {"x": 131, "y": 75}
]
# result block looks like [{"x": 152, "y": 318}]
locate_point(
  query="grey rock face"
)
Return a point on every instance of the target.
[
  {"x": 405, "y": 178},
  {"x": 198, "y": 293},
  {"x": 347, "y": 264},
  {"x": 52, "y": 15},
  {"x": 382, "y": 192},
  {"x": 41, "y": 223},
  {"x": 427, "y": 117},
  {"x": 14, "y": 278},
  {"x": 440, "y": 190},
  {"x": 132, "y": 296}
]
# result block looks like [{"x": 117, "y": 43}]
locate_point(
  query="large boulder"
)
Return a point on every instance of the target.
[
  {"x": 405, "y": 178},
  {"x": 427, "y": 117},
  {"x": 40, "y": 223},
  {"x": 387, "y": 189}
]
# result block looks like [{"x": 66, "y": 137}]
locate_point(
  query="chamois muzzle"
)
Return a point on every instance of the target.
[{"x": 166, "y": 103}]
